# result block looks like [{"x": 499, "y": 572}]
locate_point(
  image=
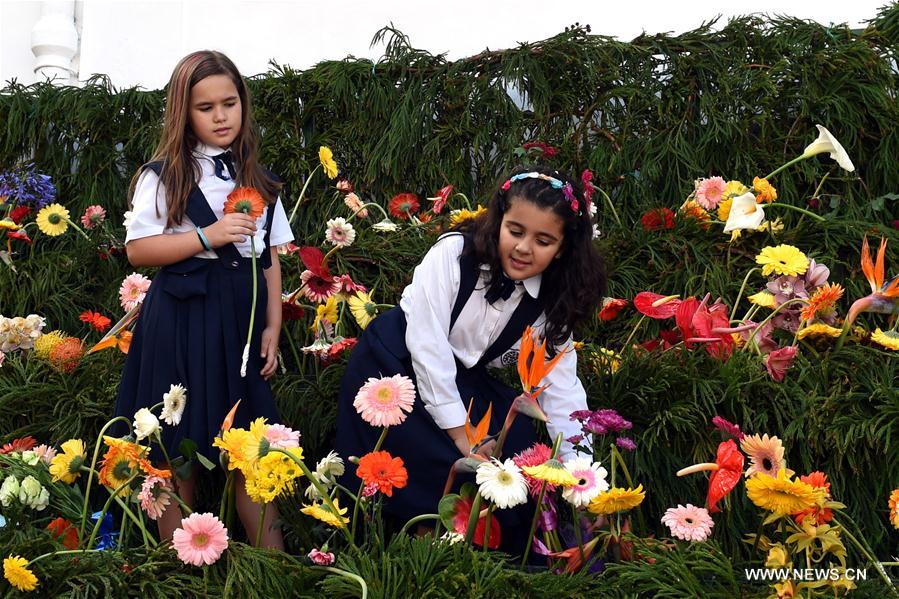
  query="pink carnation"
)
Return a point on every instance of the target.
[
  {"x": 133, "y": 290},
  {"x": 381, "y": 402},
  {"x": 708, "y": 192},
  {"x": 688, "y": 523},
  {"x": 281, "y": 437},
  {"x": 93, "y": 216},
  {"x": 201, "y": 539},
  {"x": 321, "y": 558}
]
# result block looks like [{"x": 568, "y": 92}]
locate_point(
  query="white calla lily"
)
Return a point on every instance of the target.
[
  {"x": 745, "y": 213},
  {"x": 826, "y": 142}
]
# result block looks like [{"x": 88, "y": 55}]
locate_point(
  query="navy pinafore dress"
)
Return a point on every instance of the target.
[
  {"x": 191, "y": 331},
  {"x": 427, "y": 451}
]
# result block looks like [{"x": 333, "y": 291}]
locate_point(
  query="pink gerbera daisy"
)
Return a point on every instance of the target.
[
  {"x": 317, "y": 288},
  {"x": 348, "y": 285},
  {"x": 153, "y": 496},
  {"x": 133, "y": 290},
  {"x": 281, "y": 437},
  {"x": 591, "y": 481},
  {"x": 534, "y": 456},
  {"x": 709, "y": 191},
  {"x": 93, "y": 216},
  {"x": 45, "y": 452},
  {"x": 201, "y": 539},
  {"x": 381, "y": 402},
  {"x": 688, "y": 523}
]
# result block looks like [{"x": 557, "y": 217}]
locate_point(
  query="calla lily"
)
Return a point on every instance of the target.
[
  {"x": 745, "y": 213},
  {"x": 726, "y": 472},
  {"x": 826, "y": 142}
]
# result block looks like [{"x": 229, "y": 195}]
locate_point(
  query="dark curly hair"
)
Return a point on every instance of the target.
[{"x": 573, "y": 286}]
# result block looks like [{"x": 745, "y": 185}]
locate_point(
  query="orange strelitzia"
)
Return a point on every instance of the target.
[
  {"x": 532, "y": 364},
  {"x": 477, "y": 433}
]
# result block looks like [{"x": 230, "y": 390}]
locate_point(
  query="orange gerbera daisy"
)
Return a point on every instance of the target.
[
  {"x": 382, "y": 470},
  {"x": 246, "y": 200},
  {"x": 817, "y": 514},
  {"x": 823, "y": 300},
  {"x": 894, "y": 508},
  {"x": 120, "y": 463},
  {"x": 403, "y": 204}
]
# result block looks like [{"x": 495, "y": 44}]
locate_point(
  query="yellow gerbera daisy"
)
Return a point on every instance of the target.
[
  {"x": 326, "y": 311},
  {"x": 244, "y": 447},
  {"x": 819, "y": 330},
  {"x": 894, "y": 508},
  {"x": 275, "y": 474},
  {"x": 15, "y": 570},
  {"x": 458, "y": 216},
  {"x": 553, "y": 472},
  {"x": 724, "y": 209},
  {"x": 617, "y": 499},
  {"x": 322, "y": 511},
  {"x": 783, "y": 260},
  {"x": 7, "y": 224},
  {"x": 52, "y": 220},
  {"x": 732, "y": 190},
  {"x": 326, "y": 157},
  {"x": 44, "y": 344},
  {"x": 363, "y": 308},
  {"x": 66, "y": 466},
  {"x": 764, "y": 299},
  {"x": 888, "y": 339},
  {"x": 781, "y": 495}
]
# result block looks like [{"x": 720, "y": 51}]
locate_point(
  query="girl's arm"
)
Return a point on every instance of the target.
[
  {"x": 272, "y": 330},
  {"x": 164, "y": 249}
]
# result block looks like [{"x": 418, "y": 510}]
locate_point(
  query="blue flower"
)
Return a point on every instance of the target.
[{"x": 106, "y": 535}]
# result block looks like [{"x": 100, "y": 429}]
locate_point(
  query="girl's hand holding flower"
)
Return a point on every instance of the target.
[{"x": 231, "y": 228}]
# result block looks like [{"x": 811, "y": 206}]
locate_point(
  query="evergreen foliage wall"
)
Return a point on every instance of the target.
[{"x": 647, "y": 116}]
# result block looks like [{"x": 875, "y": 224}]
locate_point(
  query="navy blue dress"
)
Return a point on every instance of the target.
[
  {"x": 191, "y": 331},
  {"x": 427, "y": 451}
]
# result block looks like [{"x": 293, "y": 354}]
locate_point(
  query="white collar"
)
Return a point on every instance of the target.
[
  {"x": 207, "y": 150},
  {"x": 531, "y": 284}
]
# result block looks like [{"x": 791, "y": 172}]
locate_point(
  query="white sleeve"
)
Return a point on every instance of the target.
[
  {"x": 428, "y": 304},
  {"x": 280, "y": 232},
  {"x": 148, "y": 194},
  {"x": 564, "y": 395}
]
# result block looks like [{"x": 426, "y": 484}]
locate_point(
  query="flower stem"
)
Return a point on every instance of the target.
[
  {"x": 362, "y": 486},
  {"x": 106, "y": 507},
  {"x": 631, "y": 336},
  {"x": 346, "y": 574},
  {"x": 772, "y": 315},
  {"x": 293, "y": 212},
  {"x": 864, "y": 550},
  {"x": 743, "y": 288},
  {"x": 487, "y": 528},
  {"x": 782, "y": 167},
  {"x": 262, "y": 510},
  {"x": 530, "y": 537},
  {"x": 817, "y": 217},
  {"x": 77, "y": 228},
  {"x": 609, "y": 202},
  {"x": 418, "y": 519},
  {"x": 90, "y": 476}
]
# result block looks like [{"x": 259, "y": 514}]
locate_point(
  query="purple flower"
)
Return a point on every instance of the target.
[
  {"x": 549, "y": 515},
  {"x": 763, "y": 337},
  {"x": 625, "y": 444},
  {"x": 580, "y": 415},
  {"x": 787, "y": 320},
  {"x": 603, "y": 422},
  {"x": 727, "y": 427},
  {"x": 816, "y": 275},
  {"x": 787, "y": 287},
  {"x": 26, "y": 187},
  {"x": 575, "y": 439}
]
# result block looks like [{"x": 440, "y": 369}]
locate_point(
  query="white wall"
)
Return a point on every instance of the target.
[{"x": 138, "y": 42}]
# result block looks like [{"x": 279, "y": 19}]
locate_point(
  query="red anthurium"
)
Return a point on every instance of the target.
[
  {"x": 700, "y": 323},
  {"x": 726, "y": 472},
  {"x": 656, "y": 306},
  {"x": 441, "y": 199},
  {"x": 455, "y": 511}
]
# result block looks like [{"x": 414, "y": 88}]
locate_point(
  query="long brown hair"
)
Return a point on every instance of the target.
[{"x": 181, "y": 170}]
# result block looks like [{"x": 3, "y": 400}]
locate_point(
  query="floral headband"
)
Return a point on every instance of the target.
[{"x": 567, "y": 189}]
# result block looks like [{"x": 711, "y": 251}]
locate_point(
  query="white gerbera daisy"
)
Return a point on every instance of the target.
[
  {"x": 502, "y": 483},
  {"x": 591, "y": 481},
  {"x": 339, "y": 232},
  {"x": 330, "y": 467},
  {"x": 173, "y": 404},
  {"x": 145, "y": 424}
]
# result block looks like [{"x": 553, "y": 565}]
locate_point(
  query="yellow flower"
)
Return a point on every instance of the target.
[
  {"x": 724, "y": 209},
  {"x": 363, "y": 307},
  {"x": 66, "y": 466},
  {"x": 819, "y": 330},
  {"x": 244, "y": 447},
  {"x": 764, "y": 299},
  {"x": 732, "y": 190},
  {"x": 44, "y": 344},
  {"x": 783, "y": 260},
  {"x": 778, "y": 557},
  {"x": 326, "y": 311},
  {"x": 888, "y": 339},
  {"x": 617, "y": 499},
  {"x": 764, "y": 191},
  {"x": 8, "y": 224},
  {"x": 322, "y": 511},
  {"x": 693, "y": 210},
  {"x": 17, "y": 573},
  {"x": 894, "y": 508},
  {"x": 274, "y": 474},
  {"x": 52, "y": 220},
  {"x": 326, "y": 157},
  {"x": 781, "y": 495},
  {"x": 458, "y": 216},
  {"x": 553, "y": 472},
  {"x": 607, "y": 361},
  {"x": 785, "y": 590}
]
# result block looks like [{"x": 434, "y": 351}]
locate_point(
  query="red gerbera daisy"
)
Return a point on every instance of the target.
[
  {"x": 19, "y": 213},
  {"x": 403, "y": 205},
  {"x": 657, "y": 219},
  {"x": 65, "y": 532},
  {"x": 95, "y": 319},
  {"x": 20, "y": 444}
]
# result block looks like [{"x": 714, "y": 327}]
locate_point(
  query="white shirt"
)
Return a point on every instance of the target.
[
  {"x": 149, "y": 193},
  {"x": 428, "y": 303}
]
